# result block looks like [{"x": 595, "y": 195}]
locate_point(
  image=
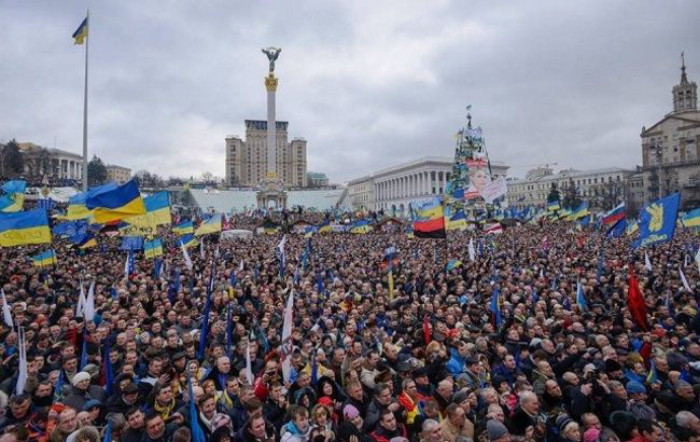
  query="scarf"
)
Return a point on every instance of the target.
[{"x": 164, "y": 410}]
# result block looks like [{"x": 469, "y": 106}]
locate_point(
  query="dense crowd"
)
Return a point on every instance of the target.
[{"x": 431, "y": 361}]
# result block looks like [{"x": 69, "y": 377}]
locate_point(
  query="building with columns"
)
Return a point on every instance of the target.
[
  {"x": 671, "y": 148},
  {"x": 396, "y": 186},
  {"x": 52, "y": 163}
]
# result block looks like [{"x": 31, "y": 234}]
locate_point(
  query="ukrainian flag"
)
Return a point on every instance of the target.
[
  {"x": 153, "y": 249},
  {"x": 76, "y": 204},
  {"x": 324, "y": 226},
  {"x": 14, "y": 186},
  {"x": 310, "y": 230},
  {"x": 692, "y": 218},
  {"x": 183, "y": 228},
  {"x": 632, "y": 228},
  {"x": 361, "y": 226},
  {"x": 81, "y": 33},
  {"x": 458, "y": 221},
  {"x": 87, "y": 241},
  {"x": 21, "y": 228},
  {"x": 580, "y": 212},
  {"x": 270, "y": 227},
  {"x": 116, "y": 204},
  {"x": 553, "y": 205},
  {"x": 212, "y": 225},
  {"x": 12, "y": 203},
  {"x": 188, "y": 241},
  {"x": 44, "y": 258},
  {"x": 157, "y": 213}
]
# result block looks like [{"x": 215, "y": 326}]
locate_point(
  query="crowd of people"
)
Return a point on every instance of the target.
[{"x": 421, "y": 354}]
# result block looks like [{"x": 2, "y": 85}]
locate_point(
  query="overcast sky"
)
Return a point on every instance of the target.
[{"x": 369, "y": 84}]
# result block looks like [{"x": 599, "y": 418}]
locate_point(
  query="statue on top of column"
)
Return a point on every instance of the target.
[{"x": 272, "y": 54}]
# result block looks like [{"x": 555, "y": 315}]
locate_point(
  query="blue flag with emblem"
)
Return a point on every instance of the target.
[{"x": 657, "y": 221}]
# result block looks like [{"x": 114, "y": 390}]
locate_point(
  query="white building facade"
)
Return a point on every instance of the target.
[{"x": 395, "y": 187}]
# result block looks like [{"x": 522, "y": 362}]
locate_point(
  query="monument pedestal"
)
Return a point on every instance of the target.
[{"x": 272, "y": 195}]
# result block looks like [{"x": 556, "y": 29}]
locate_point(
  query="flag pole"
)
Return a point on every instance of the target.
[{"x": 85, "y": 109}]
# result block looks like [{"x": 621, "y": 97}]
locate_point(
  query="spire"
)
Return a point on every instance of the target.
[
  {"x": 685, "y": 93},
  {"x": 684, "y": 78}
]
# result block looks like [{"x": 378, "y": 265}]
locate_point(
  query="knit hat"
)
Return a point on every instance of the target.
[
  {"x": 350, "y": 412},
  {"x": 634, "y": 387},
  {"x": 591, "y": 435},
  {"x": 496, "y": 429},
  {"x": 460, "y": 396},
  {"x": 612, "y": 365},
  {"x": 79, "y": 377}
]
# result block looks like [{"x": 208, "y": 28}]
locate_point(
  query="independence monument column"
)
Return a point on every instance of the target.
[{"x": 272, "y": 193}]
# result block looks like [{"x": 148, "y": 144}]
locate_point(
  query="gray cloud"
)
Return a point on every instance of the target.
[{"x": 368, "y": 84}]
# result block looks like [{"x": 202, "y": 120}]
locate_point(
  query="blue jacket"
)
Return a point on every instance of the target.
[{"x": 455, "y": 366}]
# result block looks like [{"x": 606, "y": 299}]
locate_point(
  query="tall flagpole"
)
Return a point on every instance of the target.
[{"x": 85, "y": 109}]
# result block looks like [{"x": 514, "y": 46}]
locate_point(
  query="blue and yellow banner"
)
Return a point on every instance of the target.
[
  {"x": 657, "y": 221},
  {"x": 117, "y": 204},
  {"x": 553, "y": 205},
  {"x": 580, "y": 212},
  {"x": 458, "y": 221},
  {"x": 14, "y": 186},
  {"x": 76, "y": 204},
  {"x": 212, "y": 225},
  {"x": 188, "y": 241},
  {"x": 157, "y": 214},
  {"x": 184, "y": 228},
  {"x": 81, "y": 33},
  {"x": 692, "y": 218},
  {"x": 46, "y": 258},
  {"x": 153, "y": 249},
  {"x": 361, "y": 226},
  {"x": 12, "y": 203},
  {"x": 325, "y": 226},
  {"x": 22, "y": 228}
]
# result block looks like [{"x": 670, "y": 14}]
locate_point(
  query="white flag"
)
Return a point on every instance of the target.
[
  {"x": 685, "y": 281},
  {"x": 472, "y": 251},
  {"x": 6, "y": 311},
  {"x": 647, "y": 262},
  {"x": 22, "y": 373},
  {"x": 126, "y": 267},
  {"x": 248, "y": 366},
  {"x": 90, "y": 303},
  {"x": 287, "y": 345},
  {"x": 697, "y": 259},
  {"x": 280, "y": 248},
  {"x": 188, "y": 261},
  {"x": 80, "y": 311},
  {"x": 240, "y": 266}
]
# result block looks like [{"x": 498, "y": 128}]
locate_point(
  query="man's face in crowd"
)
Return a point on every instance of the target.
[
  {"x": 257, "y": 428},
  {"x": 155, "y": 428},
  {"x": 20, "y": 409},
  {"x": 136, "y": 420},
  {"x": 388, "y": 421},
  {"x": 67, "y": 421}
]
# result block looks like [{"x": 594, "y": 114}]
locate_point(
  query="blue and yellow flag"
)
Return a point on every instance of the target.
[
  {"x": 212, "y": 225},
  {"x": 12, "y": 203},
  {"x": 580, "y": 212},
  {"x": 692, "y": 218},
  {"x": 117, "y": 204},
  {"x": 184, "y": 228},
  {"x": 46, "y": 258},
  {"x": 458, "y": 221},
  {"x": 22, "y": 228},
  {"x": 87, "y": 241},
  {"x": 553, "y": 205},
  {"x": 325, "y": 226},
  {"x": 657, "y": 221},
  {"x": 76, "y": 204},
  {"x": 81, "y": 33},
  {"x": 153, "y": 249},
  {"x": 14, "y": 186},
  {"x": 157, "y": 214},
  {"x": 361, "y": 226},
  {"x": 188, "y": 241}
]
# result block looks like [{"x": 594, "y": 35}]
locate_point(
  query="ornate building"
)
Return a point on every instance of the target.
[
  {"x": 52, "y": 163},
  {"x": 671, "y": 148},
  {"x": 397, "y": 186},
  {"x": 246, "y": 161}
]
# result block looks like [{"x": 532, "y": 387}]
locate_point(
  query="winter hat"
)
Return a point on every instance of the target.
[
  {"x": 350, "y": 412},
  {"x": 591, "y": 435},
  {"x": 635, "y": 387},
  {"x": 79, "y": 377},
  {"x": 496, "y": 429}
]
